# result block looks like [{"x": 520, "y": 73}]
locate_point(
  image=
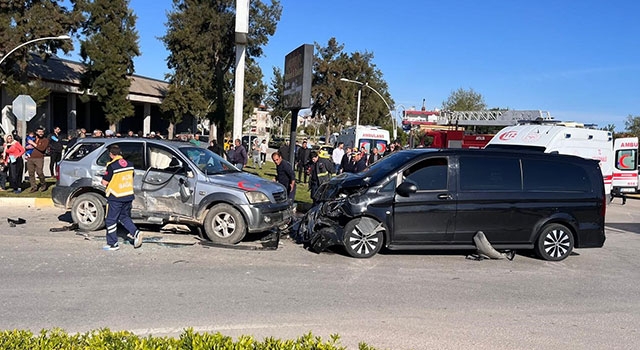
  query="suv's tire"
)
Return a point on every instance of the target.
[
  {"x": 363, "y": 237},
  {"x": 555, "y": 242},
  {"x": 224, "y": 224},
  {"x": 88, "y": 212}
]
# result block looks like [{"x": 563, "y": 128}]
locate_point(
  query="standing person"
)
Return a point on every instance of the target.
[
  {"x": 118, "y": 180},
  {"x": 346, "y": 166},
  {"x": 263, "y": 151},
  {"x": 374, "y": 156},
  {"x": 336, "y": 156},
  {"x": 360, "y": 161},
  {"x": 302, "y": 162},
  {"x": 56, "y": 149},
  {"x": 321, "y": 170},
  {"x": 215, "y": 148},
  {"x": 12, "y": 156},
  {"x": 35, "y": 163},
  {"x": 240, "y": 155},
  {"x": 285, "y": 174},
  {"x": 255, "y": 153},
  {"x": 285, "y": 151}
]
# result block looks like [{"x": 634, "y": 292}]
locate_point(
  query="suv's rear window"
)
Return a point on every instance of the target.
[
  {"x": 81, "y": 150},
  {"x": 131, "y": 151}
]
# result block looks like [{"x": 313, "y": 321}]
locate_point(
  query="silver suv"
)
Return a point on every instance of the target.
[{"x": 174, "y": 182}]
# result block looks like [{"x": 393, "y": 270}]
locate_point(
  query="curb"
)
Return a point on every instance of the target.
[{"x": 26, "y": 202}]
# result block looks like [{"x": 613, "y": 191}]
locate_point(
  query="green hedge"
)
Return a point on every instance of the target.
[{"x": 105, "y": 339}]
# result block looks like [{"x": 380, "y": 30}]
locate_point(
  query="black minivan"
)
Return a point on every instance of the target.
[{"x": 440, "y": 199}]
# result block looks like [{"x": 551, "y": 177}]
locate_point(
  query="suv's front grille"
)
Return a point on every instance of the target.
[{"x": 280, "y": 196}]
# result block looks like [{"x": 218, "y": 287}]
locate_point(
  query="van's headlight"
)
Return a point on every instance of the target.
[{"x": 257, "y": 197}]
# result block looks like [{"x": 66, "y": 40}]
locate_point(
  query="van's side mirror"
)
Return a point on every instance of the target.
[{"x": 406, "y": 188}]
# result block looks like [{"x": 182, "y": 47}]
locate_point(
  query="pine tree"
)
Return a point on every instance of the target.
[
  {"x": 109, "y": 48},
  {"x": 201, "y": 41}
]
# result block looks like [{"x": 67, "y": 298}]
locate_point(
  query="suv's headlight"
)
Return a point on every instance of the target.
[{"x": 257, "y": 197}]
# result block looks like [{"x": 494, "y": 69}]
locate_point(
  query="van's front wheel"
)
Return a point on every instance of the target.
[
  {"x": 363, "y": 237},
  {"x": 224, "y": 224},
  {"x": 555, "y": 242}
]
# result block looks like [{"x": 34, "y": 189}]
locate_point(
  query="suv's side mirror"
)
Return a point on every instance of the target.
[{"x": 406, "y": 188}]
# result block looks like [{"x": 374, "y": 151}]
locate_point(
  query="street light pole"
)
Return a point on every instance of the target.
[
  {"x": 395, "y": 128},
  {"x": 60, "y": 37}
]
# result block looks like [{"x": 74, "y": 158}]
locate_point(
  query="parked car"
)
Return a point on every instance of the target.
[
  {"x": 441, "y": 199},
  {"x": 174, "y": 182},
  {"x": 275, "y": 142}
]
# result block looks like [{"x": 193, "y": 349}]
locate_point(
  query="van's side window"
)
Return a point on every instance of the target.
[
  {"x": 550, "y": 175},
  {"x": 490, "y": 173},
  {"x": 428, "y": 175}
]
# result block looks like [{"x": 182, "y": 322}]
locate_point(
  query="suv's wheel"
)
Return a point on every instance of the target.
[
  {"x": 224, "y": 224},
  {"x": 555, "y": 242},
  {"x": 88, "y": 212},
  {"x": 363, "y": 237}
]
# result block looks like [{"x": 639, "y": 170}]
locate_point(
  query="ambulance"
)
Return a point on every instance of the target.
[
  {"x": 365, "y": 136},
  {"x": 625, "y": 172},
  {"x": 560, "y": 138}
]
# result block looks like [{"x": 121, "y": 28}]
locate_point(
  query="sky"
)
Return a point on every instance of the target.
[{"x": 578, "y": 60}]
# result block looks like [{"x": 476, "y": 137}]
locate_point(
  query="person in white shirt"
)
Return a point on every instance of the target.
[
  {"x": 263, "y": 151},
  {"x": 336, "y": 156}
]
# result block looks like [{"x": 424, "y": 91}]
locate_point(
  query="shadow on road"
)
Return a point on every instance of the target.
[{"x": 626, "y": 226}]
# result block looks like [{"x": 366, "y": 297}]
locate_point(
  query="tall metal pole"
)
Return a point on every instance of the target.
[
  {"x": 60, "y": 37},
  {"x": 242, "y": 29},
  {"x": 358, "y": 108}
]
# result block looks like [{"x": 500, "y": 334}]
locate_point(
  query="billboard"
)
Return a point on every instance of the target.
[{"x": 297, "y": 77}]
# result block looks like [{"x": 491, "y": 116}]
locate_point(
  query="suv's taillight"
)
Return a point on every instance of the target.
[{"x": 58, "y": 172}]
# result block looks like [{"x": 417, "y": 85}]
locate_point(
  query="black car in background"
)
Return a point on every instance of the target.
[{"x": 440, "y": 199}]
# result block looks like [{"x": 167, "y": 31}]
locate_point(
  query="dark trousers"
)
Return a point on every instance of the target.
[
  {"x": 15, "y": 173},
  {"x": 55, "y": 158},
  {"x": 118, "y": 212},
  {"x": 302, "y": 171},
  {"x": 3, "y": 179}
]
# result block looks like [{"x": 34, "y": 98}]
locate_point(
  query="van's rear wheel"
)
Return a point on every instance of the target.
[
  {"x": 555, "y": 242},
  {"x": 88, "y": 212},
  {"x": 224, "y": 224},
  {"x": 363, "y": 237}
]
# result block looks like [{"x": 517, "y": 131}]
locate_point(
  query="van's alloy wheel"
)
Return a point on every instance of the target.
[
  {"x": 88, "y": 212},
  {"x": 555, "y": 242},
  {"x": 224, "y": 224},
  {"x": 363, "y": 237}
]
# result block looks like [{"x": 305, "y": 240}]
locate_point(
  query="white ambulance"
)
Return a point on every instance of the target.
[
  {"x": 625, "y": 172},
  {"x": 365, "y": 136},
  {"x": 559, "y": 138}
]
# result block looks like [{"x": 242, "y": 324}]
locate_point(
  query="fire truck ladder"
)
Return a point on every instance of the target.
[{"x": 491, "y": 118}]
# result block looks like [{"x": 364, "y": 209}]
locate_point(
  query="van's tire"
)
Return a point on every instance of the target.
[
  {"x": 555, "y": 242},
  {"x": 363, "y": 237},
  {"x": 88, "y": 212},
  {"x": 224, "y": 224}
]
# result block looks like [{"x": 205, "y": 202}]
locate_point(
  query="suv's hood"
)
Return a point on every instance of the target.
[{"x": 247, "y": 182}]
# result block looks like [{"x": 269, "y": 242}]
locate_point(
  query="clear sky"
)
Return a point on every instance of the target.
[{"x": 579, "y": 60}]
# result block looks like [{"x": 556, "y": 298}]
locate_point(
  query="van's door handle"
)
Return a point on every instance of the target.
[{"x": 444, "y": 196}]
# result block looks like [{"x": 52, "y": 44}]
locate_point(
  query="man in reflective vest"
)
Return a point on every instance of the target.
[
  {"x": 118, "y": 180},
  {"x": 321, "y": 169}
]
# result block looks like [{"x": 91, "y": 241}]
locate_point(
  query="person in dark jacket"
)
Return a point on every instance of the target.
[
  {"x": 285, "y": 174},
  {"x": 302, "y": 162},
  {"x": 345, "y": 165},
  {"x": 55, "y": 149},
  {"x": 215, "y": 148},
  {"x": 321, "y": 170},
  {"x": 374, "y": 156},
  {"x": 240, "y": 155}
]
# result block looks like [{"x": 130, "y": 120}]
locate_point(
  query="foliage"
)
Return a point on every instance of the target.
[
  {"x": 110, "y": 44},
  {"x": 632, "y": 125},
  {"x": 337, "y": 100},
  {"x": 254, "y": 87},
  {"x": 275, "y": 94},
  {"x": 200, "y": 39},
  {"x": 188, "y": 339},
  {"x": 464, "y": 100},
  {"x": 22, "y": 21}
]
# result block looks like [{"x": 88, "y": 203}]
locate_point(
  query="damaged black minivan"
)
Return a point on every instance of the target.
[{"x": 440, "y": 199}]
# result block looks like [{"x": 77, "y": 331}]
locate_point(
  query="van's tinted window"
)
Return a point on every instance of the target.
[
  {"x": 430, "y": 174},
  {"x": 489, "y": 173},
  {"x": 550, "y": 175},
  {"x": 131, "y": 151}
]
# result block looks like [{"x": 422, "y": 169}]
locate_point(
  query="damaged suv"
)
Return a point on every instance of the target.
[
  {"x": 174, "y": 182},
  {"x": 440, "y": 199}
]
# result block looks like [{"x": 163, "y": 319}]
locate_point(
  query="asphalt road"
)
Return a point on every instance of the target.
[{"x": 414, "y": 300}]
